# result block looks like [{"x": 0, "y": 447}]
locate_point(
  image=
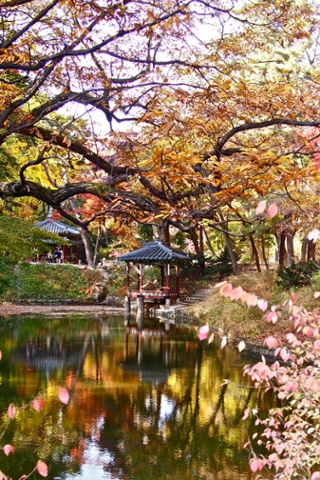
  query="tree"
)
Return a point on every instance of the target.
[{"x": 212, "y": 124}]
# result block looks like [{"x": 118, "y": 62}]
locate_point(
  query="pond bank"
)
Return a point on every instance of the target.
[{"x": 12, "y": 309}]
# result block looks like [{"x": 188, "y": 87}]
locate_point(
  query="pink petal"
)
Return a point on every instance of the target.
[
  {"x": 261, "y": 207},
  {"x": 38, "y": 404},
  {"x": 252, "y": 300},
  {"x": 11, "y": 411},
  {"x": 262, "y": 304},
  {"x": 224, "y": 342},
  {"x": 226, "y": 290},
  {"x": 42, "y": 468},
  {"x": 8, "y": 449},
  {"x": 236, "y": 293},
  {"x": 256, "y": 465},
  {"x": 272, "y": 210},
  {"x": 271, "y": 342},
  {"x": 63, "y": 395},
  {"x": 203, "y": 332}
]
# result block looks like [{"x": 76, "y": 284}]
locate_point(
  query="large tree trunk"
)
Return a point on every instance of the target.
[
  {"x": 311, "y": 251},
  {"x": 197, "y": 247},
  {"x": 255, "y": 253},
  {"x": 85, "y": 237},
  {"x": 234, "y": 261},
  {"x": 281, "y": 240},
  {"x": 87, "y": 247},
  {"x": 264, "y": 256},
  {"x": 161, "y": 232},
  {"x": 207, "y": 239},
  {"x": 290, "y": 235},
  {"x": 304, "y": 249}
]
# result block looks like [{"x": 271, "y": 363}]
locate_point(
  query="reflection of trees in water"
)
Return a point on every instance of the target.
[
  {"x": 178, "y": 441},
  {"x": 155, "y": 402}
]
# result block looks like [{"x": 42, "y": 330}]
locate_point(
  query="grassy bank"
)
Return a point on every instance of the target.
[
  {"x": 239, "y": 321},
  {"x": 49, "y": 283}
]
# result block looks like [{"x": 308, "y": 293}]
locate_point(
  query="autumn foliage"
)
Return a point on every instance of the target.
[
  {"x": 290, "y": 433},
  {"x": 37, "y": 405}
]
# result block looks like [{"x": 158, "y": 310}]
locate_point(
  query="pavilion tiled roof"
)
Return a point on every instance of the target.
[
  {"x": 58, "y": 228},
  {"x": 154, "y": 252}
]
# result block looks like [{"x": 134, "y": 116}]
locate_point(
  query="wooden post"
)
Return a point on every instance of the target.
[
  {"x": 178, "y": 282},
  {"x": 140, "y": 311},
  {"x": 127, "y": 305}
]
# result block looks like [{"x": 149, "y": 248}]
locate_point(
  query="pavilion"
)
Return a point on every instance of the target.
[
  {"x": 71, "y": 250},
  {"x": 154, "y": 254}
]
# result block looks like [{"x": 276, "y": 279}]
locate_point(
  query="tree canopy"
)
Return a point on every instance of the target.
[{"x": 181, "y": 112}]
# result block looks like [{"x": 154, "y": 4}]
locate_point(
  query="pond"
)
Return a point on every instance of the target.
[{"x": 143, "y": 404}]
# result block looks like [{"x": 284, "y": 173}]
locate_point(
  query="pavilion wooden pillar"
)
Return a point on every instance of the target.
[
  {"x": 167, "y": 300},
  {"x": 127, "y": 300},
  {"x": 178, "y": 271}
]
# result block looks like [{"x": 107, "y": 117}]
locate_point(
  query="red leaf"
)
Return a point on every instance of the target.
[
  {"x": 272, "y": 210},
  {"x": 63, "y": 395},
  {"x": 8, "y": 449},
  {"x": 42, "y": 468},
  {"x": 11, "y": 411}
]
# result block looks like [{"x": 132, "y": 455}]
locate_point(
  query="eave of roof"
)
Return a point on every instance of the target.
[
  {"x": 154, "y": 252},
  {"x": 58, "y": 228}
]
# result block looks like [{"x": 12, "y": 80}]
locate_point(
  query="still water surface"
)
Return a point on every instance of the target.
[{"x": 144, "y": 405}]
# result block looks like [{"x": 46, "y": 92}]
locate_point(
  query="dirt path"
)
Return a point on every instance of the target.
[{"x": 10, "y": 309}]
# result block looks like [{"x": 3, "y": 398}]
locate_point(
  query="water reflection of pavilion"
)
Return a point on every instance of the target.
[{"x": 151, "y": 368}]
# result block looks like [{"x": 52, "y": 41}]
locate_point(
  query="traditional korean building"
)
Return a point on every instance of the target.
[
  {"x": 71, "y": 252},
  {"x": 168, "y": 260}
]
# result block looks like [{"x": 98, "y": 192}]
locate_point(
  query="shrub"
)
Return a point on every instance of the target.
[
  {"x": 290, "y": 432},
  {"x": 297, "y": 275}
]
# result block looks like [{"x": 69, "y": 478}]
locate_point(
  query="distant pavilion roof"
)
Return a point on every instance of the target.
[
  {"x": 58, "y": 228},
  {"x": 154, "y": 252}
]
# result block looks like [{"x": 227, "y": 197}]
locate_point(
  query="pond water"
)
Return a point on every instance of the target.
[{"x": 147, "y": 404}]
